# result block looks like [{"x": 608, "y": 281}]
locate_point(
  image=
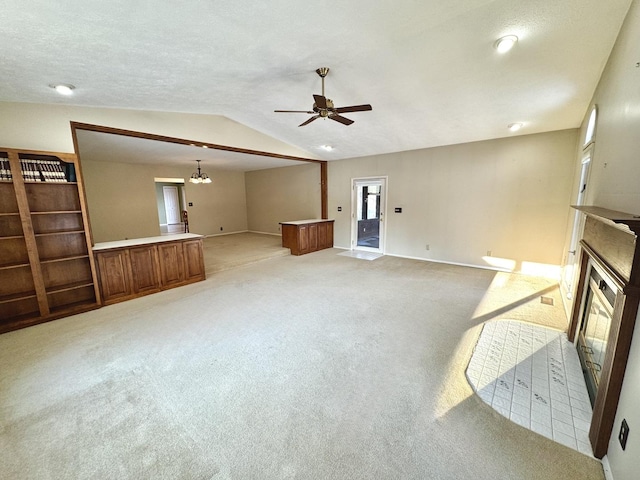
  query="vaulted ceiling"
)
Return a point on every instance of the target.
[{"x": 429, "y": 68}]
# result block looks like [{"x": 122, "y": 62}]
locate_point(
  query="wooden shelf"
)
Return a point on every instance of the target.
[
  {"x": 14, "y": 265},
  {"x": 17, "y": 296},
  {"x": 9, "y": 214},
  {"x": 63, "y": 259},
  {"x": 55, "y": 212},
  {"x": 11, "y": 237},
  {"x": 61, "y": 232},
  {"x": 70, "y": 286}
]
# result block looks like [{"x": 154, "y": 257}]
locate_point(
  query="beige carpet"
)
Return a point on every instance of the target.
[
  {"x": 312, "y": 367},
  {"x": 231, "y": 251}
]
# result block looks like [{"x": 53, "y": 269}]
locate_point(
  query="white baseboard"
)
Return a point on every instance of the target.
[
  {"x": 265, "y": 233},
  {"x": 470, "y": 265},
  {"x": 608, "y": 474},
  {"x": 226, "y": 233}
]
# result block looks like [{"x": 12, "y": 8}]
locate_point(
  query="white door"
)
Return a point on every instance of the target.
[
  {"x": 171, "y": 204},
  {"x": 569, "y": 273},
  {"x": 368, "y": 207}
]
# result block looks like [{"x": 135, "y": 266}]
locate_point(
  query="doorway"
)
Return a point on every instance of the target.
[
  {"x": 171, "y": 201},
  {"x": 368, "y": 207},
  {"x": 570, "y": 270}
]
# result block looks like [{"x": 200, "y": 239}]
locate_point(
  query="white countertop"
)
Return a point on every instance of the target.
[
  {"x": 304, "y": 222},
  {"x": 132, "y": 242}
]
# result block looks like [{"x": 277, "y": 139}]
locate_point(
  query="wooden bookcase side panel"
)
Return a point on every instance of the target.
[{"x": 27, "y": 227}]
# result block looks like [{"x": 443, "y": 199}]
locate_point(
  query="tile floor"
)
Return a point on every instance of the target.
[
  {"x": 362, "y": 255},
  {"x": 532, "y": 375}
]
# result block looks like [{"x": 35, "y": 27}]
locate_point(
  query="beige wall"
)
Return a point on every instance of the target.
[
  {"x": 122, "y": 200},
  {"x": 282, "y": 194},
  {"x": 615, "y": 184},
  {"x": 46, "y": 127},
  {"x": 508, "y": 196}
]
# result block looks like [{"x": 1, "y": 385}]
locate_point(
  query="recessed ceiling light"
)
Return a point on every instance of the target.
[
  {"x": 63, "y": 88},
  {"x": 205, "y": 146},
  {"x": 514, "y": 127},
  {"x": 328, "y": 148},
  {"x": 506, "y": 43}
]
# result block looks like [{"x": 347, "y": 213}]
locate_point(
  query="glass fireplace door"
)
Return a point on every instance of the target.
[{"x": 594, "y": 332}]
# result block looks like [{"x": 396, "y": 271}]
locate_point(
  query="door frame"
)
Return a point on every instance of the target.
[
  {"x": 384, "y": 182},
  {"x": 569, "y": 273}
]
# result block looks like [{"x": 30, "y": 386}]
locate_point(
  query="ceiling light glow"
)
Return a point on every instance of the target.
[
  {"x": 63, "y": 88},
  {"x": 514, "y": 127},
  {"x": 506, "y": 43},
  {"x": 328, "y": 148}
]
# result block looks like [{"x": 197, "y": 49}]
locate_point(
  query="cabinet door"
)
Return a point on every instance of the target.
[
  {"x": 322, "y": 235},
  {"x": 171, "y": 264},
  {"x": 193, "y": 261},
  {"x": 115, "y": 275},
  {"x": 145, "y": 269},
  {"x": 303, "y": 239},
  {"x": 313, "y": 237}
]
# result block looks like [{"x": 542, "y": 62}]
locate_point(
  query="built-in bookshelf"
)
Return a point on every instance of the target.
[{"x": 46, "y": 266}]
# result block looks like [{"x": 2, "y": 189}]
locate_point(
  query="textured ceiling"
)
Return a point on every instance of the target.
[{"x": 427, "y": 67}]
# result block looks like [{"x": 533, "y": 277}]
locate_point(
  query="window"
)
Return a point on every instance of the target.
[{"x": 591, "y": 127}]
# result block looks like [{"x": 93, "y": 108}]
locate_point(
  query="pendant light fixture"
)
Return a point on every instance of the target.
[{"x": 199, "y": 177}]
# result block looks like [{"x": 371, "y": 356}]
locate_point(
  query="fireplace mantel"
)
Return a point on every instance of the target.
[{"x": 610, "y": 242}]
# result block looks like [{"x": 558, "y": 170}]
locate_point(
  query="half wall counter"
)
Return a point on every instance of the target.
[
  {"x": 132, "y": 268},
  {"x": 306, "y": 236}
]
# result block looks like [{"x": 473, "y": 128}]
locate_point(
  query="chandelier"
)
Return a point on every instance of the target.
[{"x": 199, "y": 177}]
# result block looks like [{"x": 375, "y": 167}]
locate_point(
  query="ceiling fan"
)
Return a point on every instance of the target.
[{"x": 323, "y": 106}]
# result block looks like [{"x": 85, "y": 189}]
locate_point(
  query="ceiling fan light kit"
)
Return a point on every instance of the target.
[{"x": 323, "y": 107}]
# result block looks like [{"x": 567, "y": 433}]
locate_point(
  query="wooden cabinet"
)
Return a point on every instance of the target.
[
  {"x": 305, "y": 236},
  {"x": 46, "y": 269},
  {"x": 138, "y": 267}
]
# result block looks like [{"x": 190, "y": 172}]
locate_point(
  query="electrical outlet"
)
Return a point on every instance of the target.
[
  {"x": 488, "y": 253},
  {"x": 427, "y": 248},
  {"x": 624, "y": 434}
]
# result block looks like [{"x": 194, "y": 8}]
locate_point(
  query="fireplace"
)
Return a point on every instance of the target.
[
  {"x": 595, "y": 325},
  {"x": 604, "y": 311}
]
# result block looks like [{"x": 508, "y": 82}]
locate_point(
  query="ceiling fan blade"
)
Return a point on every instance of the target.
[
  {"x": 321, "y": 102},
  {"x": 309, "y": 121},
  {"x": 354, "y": 108},
  {"x": 343, "y": 120},
  {"x": 293, "y": 111}
]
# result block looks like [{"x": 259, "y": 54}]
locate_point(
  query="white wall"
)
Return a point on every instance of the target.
[
  {"x": 508, "y": 196},
  {"x": 615, "y": 184}
]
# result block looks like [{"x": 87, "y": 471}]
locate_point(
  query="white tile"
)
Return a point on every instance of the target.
[
  {"x": 562, "y": 416},
  {"x": 565, "y": 440},
  {"x": 561, "y": 427},
  {"x": 520, "y": 420},
  {"x": 532, "y": 375},
  {"x": 542, "y": 418},
  {"x": 522, "y": 410}
]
